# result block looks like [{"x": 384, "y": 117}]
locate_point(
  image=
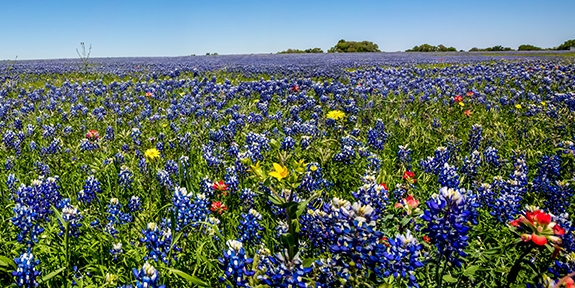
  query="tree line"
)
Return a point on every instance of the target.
[{"x": 344, "y": 46}]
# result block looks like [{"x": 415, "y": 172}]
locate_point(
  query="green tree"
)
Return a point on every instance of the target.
[
  {"x": 343, "y": 46},
  {"x": 566, "y": 45},
  {"x": 528, "y": 47}
]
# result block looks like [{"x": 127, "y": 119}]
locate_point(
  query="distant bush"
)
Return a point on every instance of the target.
[
  {"x": 343, "y": 46},
  {"x": 430, "y": 48},
  {"x": 494, "y": 48},
  {"x": 298, "y": 51},
  {"x": 527, "y": 47}
]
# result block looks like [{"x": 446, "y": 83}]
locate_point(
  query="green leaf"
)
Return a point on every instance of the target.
[
  {"x": 51, "y": 275},
  {"x": 470, "y": 271},
  {"x": 188, "y": 277},
  {"x": 448, "y": 278},
  {"x": 405, "y": 220},
  {"x": 5, "y": 261}
]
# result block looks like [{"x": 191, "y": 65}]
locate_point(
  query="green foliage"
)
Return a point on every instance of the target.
[
  {"x": 298, "y": 51},
  {"x": 343, "y": 46},
  {"x": 494, "y": 48},
  {"x": 528, "y": 47},
  {"x": 430, "y": 48},
  {"x": 566, "y": 45}
]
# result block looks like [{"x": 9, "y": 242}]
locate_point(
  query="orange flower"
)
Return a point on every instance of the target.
[
  {"x": 148, "y": 94},
  {"x": 470, "y": 94},
  {"x": 467, "y": 112}
]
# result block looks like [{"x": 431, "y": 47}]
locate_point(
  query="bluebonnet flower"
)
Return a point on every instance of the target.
[
  {"x": 158, "y": 242},
  {"x": 164, "y": 178},
  {"x": 109, "y": 133},
  {"x": 404, "y": 157},
  {"x": 189, "y": 209},
  {"x": 250, "y": 228},
  {"x": 116, "y": 250},
  {"x": 471, "y": 165},
  {"x": 491, "y": 156},
  {"x": 231, "y": 179},
  {"x": 135, "y": 204},
  {"x": 234, "y": 264},
  {"x": 312, "y": 179},
  {"x": 125, "y": 178},
  {"x": 26, "y": 220},
  {"x": 119, "y": 158},
  {"x": 434, "y": 164},
  {"x": 26, "y": 273},
  {"x": 448, "y": 177},
  {"x": 147, "y": 277},
  {"x": 247, "y": 197},
  {"x": 376, "y": 136},
  {"x": 92, "y": 187},
  {"x": 305, "y": 142},
  {"x": 9, "y": 164},
  {"x": 372, "y": 194},
  {"x": 281, "y": 271},
  {"x": 475, "y": 136},
  {"x": 116, "y": 216},
  {"x": 70, "y": 215},
  {"x": 446, "y": 223},
  {"x": 287, "y": 144},
  {"x": 87, "y": 145},
  {"x": 11, "y": 181},
  {"x": 400, "y": 257},
  {"x": 42, "y": 168},
  {"x": 135, "y": 135}
]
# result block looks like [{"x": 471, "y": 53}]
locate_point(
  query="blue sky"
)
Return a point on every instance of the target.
[{"x": 54, "y": 29}]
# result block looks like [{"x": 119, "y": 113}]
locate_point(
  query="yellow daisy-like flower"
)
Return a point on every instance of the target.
[
  {"x": 518, "y": 106},
  {"x": 461, "y": 104},
  {"x": 543, "y": 103},
  {"x": 335, "y": 114},
  {"x": 152, "y": 153},
  {"x": 280, "y": 172}
]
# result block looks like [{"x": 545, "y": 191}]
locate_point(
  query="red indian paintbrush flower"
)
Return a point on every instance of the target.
[
  {"x": 539, "y": 228},
  {"x": 458, "y": 98},
  {"x": 409, "y": 176},
  {"x": 93, "y": 135},
  {"x": 220, "y": 186},
  {"x": 218, "y": 207}
]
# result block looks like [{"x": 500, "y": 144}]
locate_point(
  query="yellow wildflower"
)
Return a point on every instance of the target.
[
  {"x": 280, "y": 172},
  {"x": 518, "y": 106},
  {"x": 335, "y": 114},
  {"x": 152, "y": 153},
  {"x": 461, "y": 104}
]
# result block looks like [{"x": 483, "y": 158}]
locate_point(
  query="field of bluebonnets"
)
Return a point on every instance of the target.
[{"x": 356, "y": 170}]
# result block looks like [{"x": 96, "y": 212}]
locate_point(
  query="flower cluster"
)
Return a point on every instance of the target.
[
  {"x": 26, "y": 273},
  {"x": 234, "y": 264},
  {"x": 447, "y": 223},
  {"x": 538, "y": 228},
  {"x": 158, "y": 242},
  {"x": 147, "y": 277}
]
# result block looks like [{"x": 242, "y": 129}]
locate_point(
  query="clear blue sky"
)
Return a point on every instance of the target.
[{"x": 51, "y": 29}]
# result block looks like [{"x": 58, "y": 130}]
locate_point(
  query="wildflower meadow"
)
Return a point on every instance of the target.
[{"x": 328, "y": 170}]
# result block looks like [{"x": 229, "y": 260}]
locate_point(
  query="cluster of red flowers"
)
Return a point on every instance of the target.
[
  {"x": 92, "y": 135},
  {"x": 540, "y": 226},
  {"x": 218, "y": 206}
]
